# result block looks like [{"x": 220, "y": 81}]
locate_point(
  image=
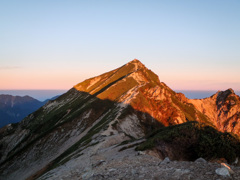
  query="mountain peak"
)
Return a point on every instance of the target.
[
  {"x": 129, "y": 75},
  {"x": 231, "y": 91},
  {"x": 225, "y": 93},
  {"x": 135, "y": 61},
  {"x": 138, "y": 64}
]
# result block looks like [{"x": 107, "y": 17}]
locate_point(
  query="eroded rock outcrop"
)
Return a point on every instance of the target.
[{"x": 222, "y": 109}]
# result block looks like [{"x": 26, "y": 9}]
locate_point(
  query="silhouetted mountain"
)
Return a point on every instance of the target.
[
  {"x": 96, "y": 120},
  {"x": 15, "y": 108}
]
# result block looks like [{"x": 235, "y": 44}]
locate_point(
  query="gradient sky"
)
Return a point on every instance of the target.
[{"x": 55, "y": 44}]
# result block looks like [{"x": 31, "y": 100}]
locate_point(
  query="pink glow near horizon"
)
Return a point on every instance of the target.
[
  {"x": 18, "y": 79},
  {"x": 55, "y": 45}
]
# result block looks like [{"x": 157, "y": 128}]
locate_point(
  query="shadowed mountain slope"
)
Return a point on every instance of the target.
[
  {"x": 192, "y": 140},
  {"x": 15, "y": 108}
]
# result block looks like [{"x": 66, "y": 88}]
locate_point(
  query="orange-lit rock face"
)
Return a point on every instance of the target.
[
  {"x": 133, "y": 84},
  {"x": 113, "y": 84},
  {"x": 223, "y": 108},
  {"x": 126, "y": 85}
]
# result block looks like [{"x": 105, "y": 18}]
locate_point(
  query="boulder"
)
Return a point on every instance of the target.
[
  {"x": 222, "y": 171},
  {"x": 165, "y": 161},
  {"x": 200, "y": 160}
]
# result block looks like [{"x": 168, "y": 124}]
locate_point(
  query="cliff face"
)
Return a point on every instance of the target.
[
  {"x": 223, "y": 110},
  {"x": 98, "y": 116}
]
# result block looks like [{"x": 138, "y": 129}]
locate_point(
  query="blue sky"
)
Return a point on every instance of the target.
[{"x": 51, "y": 44}]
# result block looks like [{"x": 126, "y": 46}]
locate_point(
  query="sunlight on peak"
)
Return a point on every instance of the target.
[{"x": 138, "y": 64}]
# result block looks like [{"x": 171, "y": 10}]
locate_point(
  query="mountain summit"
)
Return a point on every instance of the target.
[
  {"x": 131, "y": 75},
  {"x": 92, "y": 122}
]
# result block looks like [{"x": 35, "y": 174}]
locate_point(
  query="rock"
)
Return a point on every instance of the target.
[
  {"x": 224, "y": 165},
  {"x": 165, "y": 161},
  {"x": 133, "y": 171},
  {"x": 236, "y": 161},
  {"x": 141, "y": 153},
  {"x": 87, "y": 175},
  {"x": 200, "y": 160},
  {"x": 111, "y": 170},
  {"x": 180, "y": 172},
  {"x": 222, "y": 171},
  {"x": 98, "y": 163},
  {"x": 152, "y": 153}
]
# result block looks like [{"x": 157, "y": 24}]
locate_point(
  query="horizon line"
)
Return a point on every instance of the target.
[{"x": 73, "y": 87}]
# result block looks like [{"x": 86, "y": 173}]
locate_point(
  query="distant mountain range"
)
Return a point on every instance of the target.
[
  {"x": 14, "y": 108},
  {"x": 102, "y": 121}
]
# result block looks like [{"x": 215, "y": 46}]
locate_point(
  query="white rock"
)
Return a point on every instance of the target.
[
  {"x": 141, "y": 153},
  {"x": 224, "y": 165},
  {"x": 111, "y": 170},
  {"x": 165, "y": 161},
  {"x": 222, "y": 171},
  {"x": 236, "y": 161}
]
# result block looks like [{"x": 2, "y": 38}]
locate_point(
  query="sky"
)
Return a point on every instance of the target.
[{"x": 55, "y": 44}]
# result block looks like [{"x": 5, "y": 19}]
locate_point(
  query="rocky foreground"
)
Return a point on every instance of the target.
[
  {"x": 146, "y": 167},
  {"x": 130, "y": 164}
]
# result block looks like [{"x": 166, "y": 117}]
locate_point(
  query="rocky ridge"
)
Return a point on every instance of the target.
[{"x": 223, "y": 110}]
